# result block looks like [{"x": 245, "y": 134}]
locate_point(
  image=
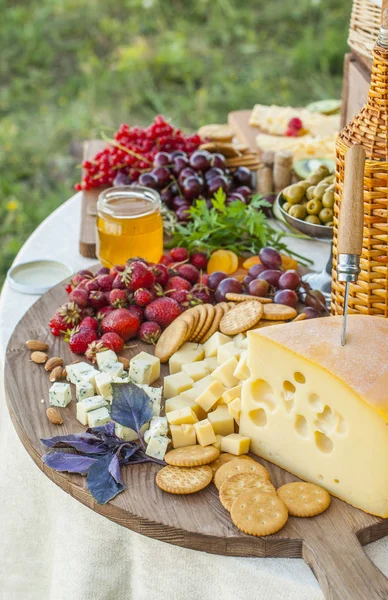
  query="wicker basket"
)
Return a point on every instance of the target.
[
  {"x": 364, "y": 26},
  {"x": 369, "y": 128}
]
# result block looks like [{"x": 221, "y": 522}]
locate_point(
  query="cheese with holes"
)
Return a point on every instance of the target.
[
  {"x": 222, "y": 422},
  {"x": 188, "y": 353},
  {"x": 205, "y": 433},
  {"x": 235, "y": 443},
  {"x": 183, "y": 435},
  {"x": 144, "y": 368},
  {"x": 319, "y": 409}
]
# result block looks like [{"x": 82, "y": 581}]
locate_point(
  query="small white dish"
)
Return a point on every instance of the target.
[{"x": 37, "y": 276}]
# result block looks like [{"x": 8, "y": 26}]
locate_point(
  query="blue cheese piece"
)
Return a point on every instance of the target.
[
  {"x": 103, "y": 385},
  {"x": 76, "y": 372},
  {"x": 90, "y": 376},
  {"x": 87, "y": 405},
  {"x": 121, "y": 379},
  {"x": 115, "y": 369},
  {"x": 144, "y": 368},
  {"x": 155, "y": 395},
  {"x": 98, "y": 417},
  {"x": 157, "y": 446},
  {"x": 104, "y": 357},
  {"x": 83, "y": 390},
  {"x": 128, "y": 434},
  {"x": 59, "y": 394},
  {"x": 158, "y": 426}
]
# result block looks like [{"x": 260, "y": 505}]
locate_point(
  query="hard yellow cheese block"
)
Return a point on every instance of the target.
[
  {"x": 205, "y": 433},
  {"x": 183, "y": 435},
  {"x": 320, "y": 410},
  {"x": 221, "y": 420}
]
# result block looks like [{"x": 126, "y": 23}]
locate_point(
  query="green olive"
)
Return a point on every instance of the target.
[
  {"x": 314, "y": 207},
  {"x": 314, "y": 178},
  {"x": 319, "y": 191},
  {"x": 328, "y": 199},
  {"x": 304, "y": 184},
  {"x": 298, "y": 211},
  {"x": 329, "y": 179},
  {"x": 313, "y": 219},
  {"x": 293, "y": 193},
  {"x": 310, "y": 192},
  {"x": 322, "y": 170},
  {"x": 326, "y": 215},
  {"x": 286, "y": 206},
  {"x": 330, "y": 224}
]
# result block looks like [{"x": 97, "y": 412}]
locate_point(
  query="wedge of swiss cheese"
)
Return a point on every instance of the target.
[{"x": 320, "y": 410}]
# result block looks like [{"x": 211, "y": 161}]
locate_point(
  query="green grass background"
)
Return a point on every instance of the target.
[{"x": 72, "y": 68}]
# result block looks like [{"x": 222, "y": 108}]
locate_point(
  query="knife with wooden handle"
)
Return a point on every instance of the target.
[{"x": 351, "y": 223}]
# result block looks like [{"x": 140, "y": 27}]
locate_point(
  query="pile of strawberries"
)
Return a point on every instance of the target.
[{"x": 138, "y": 299}]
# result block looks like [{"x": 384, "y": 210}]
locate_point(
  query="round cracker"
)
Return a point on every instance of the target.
[
  {"x": 300, "y": 317},
  {"x": 278, "y": 312},
  {"x": 202, "y": 314},
  {"x": 241, "y": 318},
  {"x": 304, "y": 499},
  {"x": 242, "y": 482},
  {"x": 239, "y": 465},
  {"x": 171, "y": 339},
  {"x": 259, "y": 513},
  {"x": 192, "y": 456},
  {"x": 218, "y": 314},
  {"x": 221, "y": 460},
  {"x": 210, "y": 312},
  {"x": 246, "y": 298},
  {"x": 216, "y": 132},
  {"x": 182, "y": 480}
]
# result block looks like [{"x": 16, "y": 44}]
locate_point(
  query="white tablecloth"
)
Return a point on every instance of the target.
[{"x": 52, "y": 547}]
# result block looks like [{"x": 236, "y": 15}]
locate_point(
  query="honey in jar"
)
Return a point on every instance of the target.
[{"x": 129, "y": 224}]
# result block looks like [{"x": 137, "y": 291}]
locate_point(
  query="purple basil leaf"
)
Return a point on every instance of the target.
[
  {"x": 108, "y": 429},
  {"x": 102, "y": 485},
  {"x": 72, "y": 463},
  {"x": 83, "y": 442},
  {"x": 129, "y": 453},
  {"x": 114, "y": 469},
  {"x": 131, "y": 407}
]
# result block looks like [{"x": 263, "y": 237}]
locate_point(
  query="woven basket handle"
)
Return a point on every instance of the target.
[{"x": 351, "y": 217}]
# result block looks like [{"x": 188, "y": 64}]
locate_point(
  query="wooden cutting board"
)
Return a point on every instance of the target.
[
  {"x": 246, "y": 134},
  {"x": 330, "y": 543}
]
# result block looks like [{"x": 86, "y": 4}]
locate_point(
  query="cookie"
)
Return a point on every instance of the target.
[
  {"x": 192, "y": 456},
  {"x": 278, "y": 312},
  {"x": 246, "y": 298},
  {"x": 221, "y": 460},
  {"x": 218, "y": 314},
  {"x": 178, "y": 480},
  {"x": 241, "y": 318},
  {"x": 239, "y": 465},
  {"x": 171, "y": 339},
  {"x": 242, "y": 482},
  {"x": 259, "y": 513},
  {"x": 210, "y": 312},
  {"x": 304, "y": 499}
]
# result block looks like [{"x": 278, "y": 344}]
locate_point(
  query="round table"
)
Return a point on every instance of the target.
[{"x": 52, "y": 547}]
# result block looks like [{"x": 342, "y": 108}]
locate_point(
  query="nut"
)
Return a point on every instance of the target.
[
  {"x": 54, "y": 361},
  {"x": 123, "y": 361},
  {"x": 56, "y": 374},
  {"x": 39, "y": 357},
  {"x": 64, "y": 373},
  {"x": 37, "y": 345},
  {"x": 54, "y": 416}
]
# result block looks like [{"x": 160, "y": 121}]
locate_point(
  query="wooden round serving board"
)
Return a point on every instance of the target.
[{"x": 330, "y": 543}]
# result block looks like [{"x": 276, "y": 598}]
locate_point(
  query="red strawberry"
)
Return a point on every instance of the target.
[
  {"x": 119, "y": 283},
  {"x": 118, "y": 298},
  {"x": 150, "y": 332},
  {"x": 105, "y": 310},
  {"x": 121, "y": 321},
  {"x": 116, "y": 269},
  {"x": 199, "y": 260},
  {"x": 161, "y": 274},
  {"x": 179, "y": 254},
  {"x": 105, "y": 282},
  {"x": 88, "y": 312},
  {"x": 163, "y": 311},
  {"x": 79, "y": 296},
  {"x": 85, "y": 273},
  {"x": 93, "y": 349},
  {"x": 183, "y": 297},
  {"x": 143, "y": 297},
  {"x": 103, "y": 271},
  {"x": 138, "y": 311},
  {"x": 166, "y": 259},
  {"x": 70, "y": 312},
  {"x": 189, "y": 272},
  {"x": 80, "y": 340},
  {"x": 91, "y": 285},
  {"x": 77, "y": 279},
  {"x": 113, "y": 341},
  {"x": 89, "y": 322},
  {"x": 138, "y": 275},
  {"x": 177, "y": 283},
  {"x": 57, "y": 324},
  {"x": 97, "y": 299}
]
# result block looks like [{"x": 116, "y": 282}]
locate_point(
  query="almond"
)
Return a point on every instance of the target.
[
  {"x": 64, "y": 373},
  {"x": 37, "y": 345},
  {"x": 124, "y": 361},
  {"x": 54, "y": 416},
  {"x": 54, "y": 361},
  {"x": 39, "y": 357},
  {"x": 56, "y": 374}
]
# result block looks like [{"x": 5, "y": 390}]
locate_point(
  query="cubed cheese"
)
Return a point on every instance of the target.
[
  {"x": 128, "y": 434},
  {"x": 181, "y": 401},
  {"x": 187, "y": 353},
  {"x": 103, "y": 385},
  {"x": 114, "y": 369},
  {"x": 158, "y": 426},
  {"x": 59, "y": 394},
  {"x": 226, "y": 351},
  {"x": 106, "y": 356},
  {"x": 209, "y": 397},
  {"x": 229, "y": 395},
  {"x": 155, "y": 395},
  {"x": 239, "y": 340},
  {"x": 88, "y": 404},
  {"x": 82, "y": 371},
  {"x": 242, "y": 371},
  {"x": 84, "y": 389},
  {"x": 211, "y": 363},
  {"x": 144, "y": 368},
  {"x": 214, "y": 342},
  {"x": 176, "y": 384},
  {"x": 99, "y": 417},
  {"x": 157, "y": 446},
  {"x": 202, "y": 384},
  {"x": 222, "y": 422},
  {"x": 234, "y": 408},
  {"x": 235, "y": 444},
  {"x": 217, "y": 443},
  {"x": 205, "y": 433},
  {"x": 182, "y": 416},
  {"x": 183, "y": 435},
  {"x": 196, "y": 370},
  {"x": 224, "y": 372}
]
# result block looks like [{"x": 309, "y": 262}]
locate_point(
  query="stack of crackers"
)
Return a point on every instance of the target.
[
  {"x": 220, "y": 140},
  {"x": 245, "y": 488}
]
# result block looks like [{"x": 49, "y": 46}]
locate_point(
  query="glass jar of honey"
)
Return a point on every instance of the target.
[{"x": 129, "y": 224}]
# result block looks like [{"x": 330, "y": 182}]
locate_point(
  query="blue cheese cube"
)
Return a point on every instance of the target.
[
  {"x": 103, "y": 385},
  {"x": 158, "y": 426},
  {"x": 157, "y": 446},
  {"x": 59, "y": 394},
  {"x": 104, "y": 357},
  {"x": 87, "y": 405},
  {"x": 76, "y": 371},
  {"x": 155, "y": 395},
  {"x": 98, "y": 417},
  {"x": 144, "y": 368},
  {"x": 83, "y": 390},
  {"x": 115, "y": 369},
  {"x": 128, "y": 434},
  {"x": 90, "y": 376}
]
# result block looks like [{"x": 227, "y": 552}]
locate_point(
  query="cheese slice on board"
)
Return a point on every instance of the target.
[{"x": 320, "y": 410}]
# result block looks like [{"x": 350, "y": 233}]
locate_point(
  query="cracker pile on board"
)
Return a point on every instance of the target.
[{"x": 220, "y": 139}]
